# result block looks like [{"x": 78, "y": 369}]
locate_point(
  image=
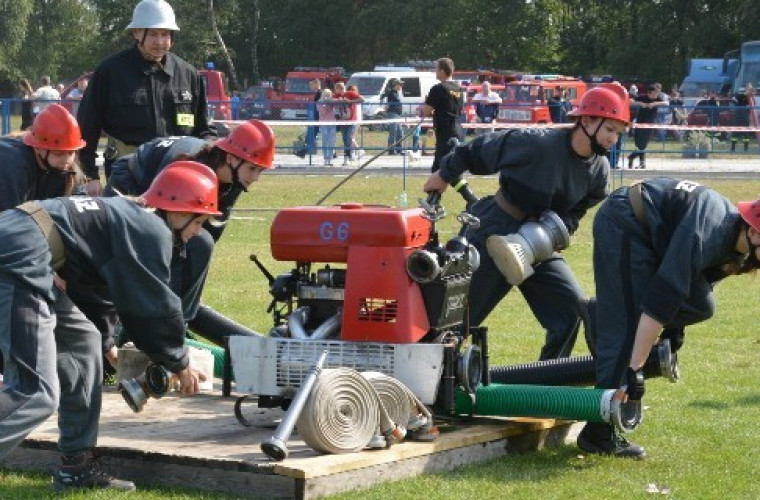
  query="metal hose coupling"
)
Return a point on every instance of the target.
[
  {"x": 276, "y": 447},
  {"x": 618, "y": 410},
  {"x": 662, "y": 362},
  {"x": 155, "y": 382},
  {"x": 535, "y": 241}
]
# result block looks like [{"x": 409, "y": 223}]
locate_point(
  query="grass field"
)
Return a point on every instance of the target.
[{"x": 701, "y": 433}]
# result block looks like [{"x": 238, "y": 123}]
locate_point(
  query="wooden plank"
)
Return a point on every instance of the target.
[{"x": 178, "y": 438}]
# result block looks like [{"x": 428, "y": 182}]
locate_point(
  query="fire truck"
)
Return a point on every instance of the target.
[
  {"x": 526, "y": 100},
  {"x": 294, "y": 101},
  {"x": 217, "y": 93}
]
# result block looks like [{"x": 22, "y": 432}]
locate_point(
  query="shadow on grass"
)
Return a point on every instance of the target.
[
  {"x": 753, "y": 400},
  {"x": 706, "y": 404}
]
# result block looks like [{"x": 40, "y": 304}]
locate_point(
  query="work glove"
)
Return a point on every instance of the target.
[{"x": 634, "y": 381}]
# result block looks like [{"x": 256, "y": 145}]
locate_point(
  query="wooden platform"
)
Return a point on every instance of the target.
[{"x": 197, "y": 443}]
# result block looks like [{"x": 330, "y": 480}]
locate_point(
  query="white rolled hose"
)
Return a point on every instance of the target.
[{"x": 346, "y": 409}]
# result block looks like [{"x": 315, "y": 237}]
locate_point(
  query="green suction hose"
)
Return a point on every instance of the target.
[
  {"x": 567, "y": 403},
  {"x": 215, "y": 351}
]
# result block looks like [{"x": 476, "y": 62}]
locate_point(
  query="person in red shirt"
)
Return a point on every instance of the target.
[{"x": 349, "y": 112}]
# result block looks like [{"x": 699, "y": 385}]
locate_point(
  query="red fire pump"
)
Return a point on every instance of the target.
[{"x": 399, "y": 286}]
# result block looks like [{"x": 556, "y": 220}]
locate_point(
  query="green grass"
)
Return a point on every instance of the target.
[{"x": 701, "y": 434}]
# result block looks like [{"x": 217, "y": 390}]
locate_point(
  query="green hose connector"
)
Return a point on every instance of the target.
[
  {"x": 215, "y": 351},
  {"x": 566, "y": 403}
]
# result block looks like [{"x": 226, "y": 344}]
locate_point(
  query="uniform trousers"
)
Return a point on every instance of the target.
[
  {"x": 552, "y": 292},
  {"x": 624, "y": 265},
  {"x": 53, "y": 362}
]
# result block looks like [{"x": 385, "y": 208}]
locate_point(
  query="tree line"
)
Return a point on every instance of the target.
[{"x": 256, "y": 39}]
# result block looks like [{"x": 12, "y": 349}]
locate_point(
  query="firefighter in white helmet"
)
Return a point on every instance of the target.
[{"x": 141, "y": 93}]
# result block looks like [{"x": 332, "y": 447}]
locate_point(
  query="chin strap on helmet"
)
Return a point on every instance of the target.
[
  {"x": 236, "y": 175},
  {"x": 177, "y": 240},
  {"x": 595, "y": 146}
]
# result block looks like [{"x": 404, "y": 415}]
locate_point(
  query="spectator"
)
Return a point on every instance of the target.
[
  {"x": 486, "y": 104},
  {"x": 27, "y": 103},
  {"x": 557, "y": 106},
  {"x": 741, "y": 117},
  {"x": 558, "y": 169},
  {"x": 141, "y": 93},
  {"x": 326, "y": 108},
  {"x": 45, "y": 95},
  {"x": 77, "y": 93},
  {"x": 313, "y": 114},
  {"x": 680, "y": 115},
  {"x": 444, "y": 103},
  {"x": 633, "y": 90},
  {"x": 393, "y": 110},
  {"x": 347, "y": 110},
  {"x": 54, "y": 361},
  {"x": 235, "y": 104},
  {"x": 647, "y": 113},
  {"x": 659, "y": 249}
]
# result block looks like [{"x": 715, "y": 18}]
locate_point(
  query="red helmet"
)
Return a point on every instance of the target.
[
  {"x": 185, "y": 186},
  {"x": 55, "y": 129},
  {"x": 607, "y": 100},
  {"x": 750, "y": 211},
  {"x": 253, "y": 141}
]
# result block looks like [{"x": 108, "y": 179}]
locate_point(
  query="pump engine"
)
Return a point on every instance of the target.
[{"x": 377, "y": 286}]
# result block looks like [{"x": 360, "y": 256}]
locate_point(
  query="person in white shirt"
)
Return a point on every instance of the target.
[
  {"x": 486, "y": 104},
  {"x": 45, "y": 95}
]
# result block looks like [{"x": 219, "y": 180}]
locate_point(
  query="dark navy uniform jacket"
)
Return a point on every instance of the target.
[
  {"x": 134, "y": 100},
  {"x": 133, "y": 174},
  {"x": 692, "y": 231},
  {"x": 115, "y": 250},
  {"x": 538, "y": 171},
  {"x": 22, "y": 179}
]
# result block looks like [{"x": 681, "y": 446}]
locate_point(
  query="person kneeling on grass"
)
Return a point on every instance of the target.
[
  {"x": 114, "y": 249},
  {"x": 659, "y": 248}
]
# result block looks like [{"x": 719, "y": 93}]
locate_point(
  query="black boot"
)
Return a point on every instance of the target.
[
  {"x": 82, "y": 470},
  {"x": 602, "y": 439},
  {"x": 630, "y": 162}
]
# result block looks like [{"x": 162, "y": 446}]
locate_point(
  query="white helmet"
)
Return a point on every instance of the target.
[{"x": 156, "y": 14}]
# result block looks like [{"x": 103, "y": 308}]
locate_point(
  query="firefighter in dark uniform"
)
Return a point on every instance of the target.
[
  {"x": 113, "y": 247},
  {"x": 562, "y": 170},
  {"x": 238, "y": 160},
  {"x": 659, "y": 248},
  {"x": 444, "y": 103},
  {"x": 42, "y": 163},
  {"x": 141, "y": 93}
]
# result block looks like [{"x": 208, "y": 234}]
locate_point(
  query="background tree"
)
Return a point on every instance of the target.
[{"x": 651, "y": 41}]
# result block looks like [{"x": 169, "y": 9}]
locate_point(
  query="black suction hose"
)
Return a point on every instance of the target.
[
  {"x": 581, "y": 370},
  {"x": 214, "y": 326}
]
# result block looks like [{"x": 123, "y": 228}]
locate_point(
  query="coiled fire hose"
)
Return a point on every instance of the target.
[
  {"x": 346, "y": 408},
  {"x": 402, "y": 406},
  {"x": 566, "y": 403}
]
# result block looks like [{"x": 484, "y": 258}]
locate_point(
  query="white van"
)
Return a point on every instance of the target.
[{"x": 373, "y": 84}]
